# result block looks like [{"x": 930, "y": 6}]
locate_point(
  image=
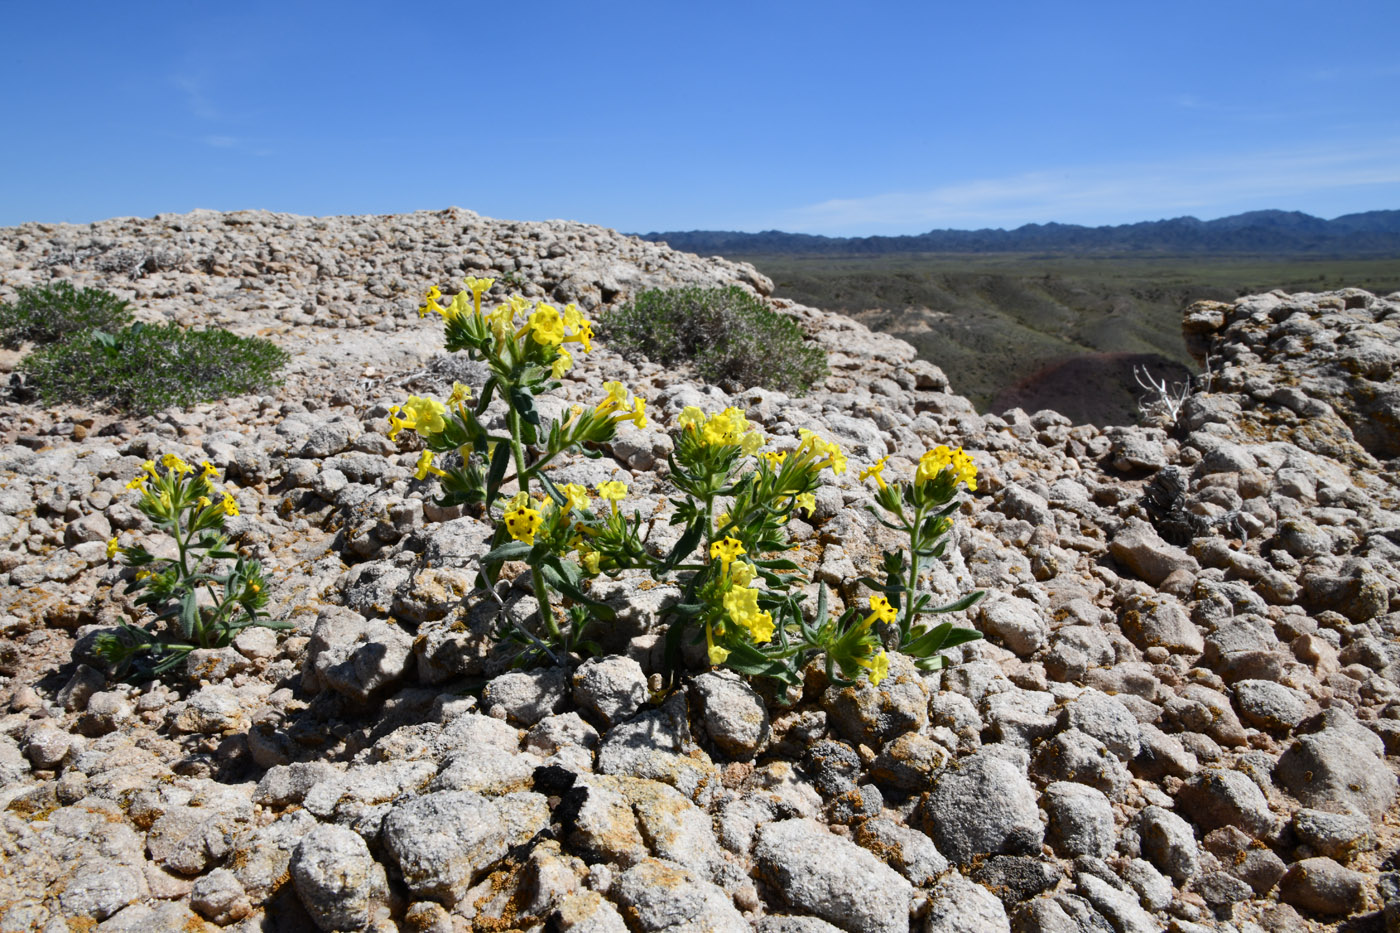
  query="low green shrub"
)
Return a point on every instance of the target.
[
  {"x": 52, "y": 313},
  {"x": 728, "y": 334},
  {"x": 144, "y": 368}
]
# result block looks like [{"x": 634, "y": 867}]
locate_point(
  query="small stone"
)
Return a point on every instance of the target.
[
  {"x": 1221, "y": 890},
  {"x": 870, "y": 714},
  {"x": 1101, "y": 716},
  {"x": 210, "y": 711},
  {"x": 98, "y": 890},
  {"x": 1321, "y": 885},
  {"x": 257, "y": 643},
  {"x": 612, "y": 688},
  {"x": 1120, "y": 907},
  {"x": 46, "y": 745},
  {"x": 1081, "y": 820},
  {"x": 1017, "y": 878},
  {"x": 957, "y": 905},
  {"x": 1333, "y": 770},
  {"x": 735, "y": 716},
  {"x": 1017, "y": 623},
  {"x": 444, "y": 842},
  {"x": 986, "y": 806},
  {"x": 588, "y": 912},
  {"x": 823, "y": 874},
  {"x": 907, "y": 851},
  {"x": 526, "y": 697},
  {"x": 663, "y": 896},
  {"x": 1076, "y": 756},
  {"x": 1216, "y": 798},
  {"x": 1248, "y": 860},
  {"x": 910, "y": 762},
  {"x": 1169, "y": 842},
  {"x": 599, "y": 825},
  {"x": 1143, "y": 552},
  {"x": 1269, "y": 705},
  {"x": 218, "y": 896},
  {"x": 1335, "y": 835}
]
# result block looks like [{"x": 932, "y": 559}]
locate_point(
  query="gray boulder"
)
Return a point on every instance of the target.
[
  {"x": 444, "y": 842},
  {"x": 612, "y": 688},
  {"x": 339, "y": 883},
  {"x": 986, "y": 806},
  {"x": 1081, "y": 820},
  {"x": 663, "y": 897},
  {"x": 829, "y": 876},
  {"x": 1333, "y": 770},
  {"x": 354, "y": 656},
  {"x": 735, "y": 716}
]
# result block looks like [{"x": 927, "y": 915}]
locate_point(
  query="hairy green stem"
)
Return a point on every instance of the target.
[
  {"x": 907, "y": 623},
  {"x": 541, "y": 588}
]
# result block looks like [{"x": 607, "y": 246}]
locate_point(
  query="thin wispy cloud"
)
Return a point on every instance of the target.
[
  {"x": 196, "y": 99},
  {"x": 1108, "y": 193}
]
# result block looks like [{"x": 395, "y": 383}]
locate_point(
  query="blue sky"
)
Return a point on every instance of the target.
[{"x": 844, "y": 119}]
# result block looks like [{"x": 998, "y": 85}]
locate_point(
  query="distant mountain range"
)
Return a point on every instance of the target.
[{"x": 1271, "y": 232}]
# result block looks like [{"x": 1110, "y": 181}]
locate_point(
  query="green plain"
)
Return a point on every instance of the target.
[{"x": 1026, "y": 329}]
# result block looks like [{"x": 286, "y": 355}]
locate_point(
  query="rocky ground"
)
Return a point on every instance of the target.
[{"x": 1185, "y": 715}]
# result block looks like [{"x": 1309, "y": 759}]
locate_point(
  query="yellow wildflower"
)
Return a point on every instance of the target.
[
  {"x": 459, "y": 395},
  {"x": 612, "y": 490},
  {"x": 807, "y": 501},
  {"x": 882, "y": 609},
  {"x": 935, "y": 461},
  {"x": 502, "y": 320},
  {"x": 820, "y": 453},
  {"x": 726, "y": 427},
  {"x": 423, "y": 415},
  {"x": 873, "y": 472},
  {"x": 457, "y": 309},
  {"x": 583, "y": 336},
  {"x": 562, "y": 364},
  {"x": 775, "y": 458},
  {"x": 716, "y": 653},
  {"x": 726, "y": 550},
  {"x": 209, "y": 470},
  {"x": 577, "y": 496},
  {"x": 150, "y": 467},
  {"x": 430, "y": 302},
  {"x": 523, "y": 522},
  {"x": 690, "y": 418},
  {"x": 879, "y": 668},
  {"x": 750, "y": 443},
  {"x": 546, "y": 326},
  {"x": 760, "y": 626},
  {"x": 203, "y": 502},
  {"x": 175, "y": 464},
  {"x": 425, "y": 466},
  {"x": 230, "y": 505},
  {"x": 590, "y": 560},
  {"x": 616, "y": 399},
  {"x": 742, "y": 573},
  {"x": 139, "y": 482},
  {"x": 478, "y": 288},
  {"x": 113, "y": 547}
]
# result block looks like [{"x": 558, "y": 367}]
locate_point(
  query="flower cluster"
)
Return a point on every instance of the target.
[
  {"x": 741, "y": 597},
  {"x": 720, "y": 429},
  {"x": 934, "y": 462},
  {"x": 185, "y": 503},
  {"x": 921, "y": 511}
]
